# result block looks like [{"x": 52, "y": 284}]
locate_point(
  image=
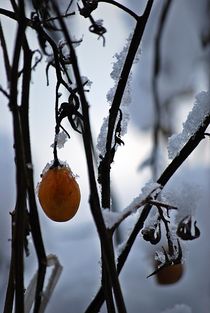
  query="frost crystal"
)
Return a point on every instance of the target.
[
  {"x": 60, "y": 139},
  {"x": 194, "y": 120}
]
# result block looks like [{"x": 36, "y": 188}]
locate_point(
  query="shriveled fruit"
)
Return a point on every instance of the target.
[{"x": 59, "y": 194}]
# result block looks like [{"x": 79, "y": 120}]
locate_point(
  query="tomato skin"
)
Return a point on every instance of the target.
[
  {"x": 59, "y": 194},
  {"x": 170, "y": 275}
]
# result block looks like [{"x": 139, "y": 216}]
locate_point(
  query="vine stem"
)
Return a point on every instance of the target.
[
  {"x": 105, "y": 165},
  {"x": 19, "y": 220}
]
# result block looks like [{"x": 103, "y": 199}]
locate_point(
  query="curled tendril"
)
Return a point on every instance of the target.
[
  {"x": 70, "y": 110},
  {"x": 184, "y": 229},
  {"x": 97, "y": 28}
]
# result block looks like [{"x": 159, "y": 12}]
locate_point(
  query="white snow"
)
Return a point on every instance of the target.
[
  {"x": 185, "y": 198},
  {"x": 160, "y": 256},
  {"x": 101, "y": 141},
  {"x": 49, "y": 164},
  {"x": 149, "y": 190},
  {"x": 60, "y": 139},
  {"x": 110, "y": 217},
  {"x": 195, "y": 118}
]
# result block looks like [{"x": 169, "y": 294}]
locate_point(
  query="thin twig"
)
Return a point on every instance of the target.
[
  {"x": 5, "y": 54},
  {"x": 122, "y": 7},
  {"x": 4, "y": 92},
  {"x": 50, "y": 19},
  {"x": 18, "y": 240}
]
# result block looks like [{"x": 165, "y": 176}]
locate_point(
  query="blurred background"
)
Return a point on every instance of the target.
[{"x": 184, "y": 71}]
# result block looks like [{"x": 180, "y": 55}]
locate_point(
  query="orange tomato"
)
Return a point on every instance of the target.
[
  {"x": 59, "y": 194},
  {"x": 170, "y": 275}
]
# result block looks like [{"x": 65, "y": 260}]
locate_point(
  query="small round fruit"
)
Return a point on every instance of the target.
[
  {"x": 59, "y": 194},
  {"x": 170, "y": 275}
]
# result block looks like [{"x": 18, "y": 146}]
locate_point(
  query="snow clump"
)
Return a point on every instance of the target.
[{"x": 200, "y": 111}]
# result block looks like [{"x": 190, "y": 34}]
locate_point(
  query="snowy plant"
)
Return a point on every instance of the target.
[{"x": 162, "y": 216}]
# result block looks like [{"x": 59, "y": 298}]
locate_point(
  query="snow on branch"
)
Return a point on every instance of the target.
[
  {"x": 195, "y": 119},
  {"x": 126, "y": 99},
  {"x": 113, "y": 219}
]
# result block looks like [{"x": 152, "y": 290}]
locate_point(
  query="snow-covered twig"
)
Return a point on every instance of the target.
[
  {"x": 113, "y": 219},
  {"x": 196, "y": 118},
  {"x": 108, "y": 158}
]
